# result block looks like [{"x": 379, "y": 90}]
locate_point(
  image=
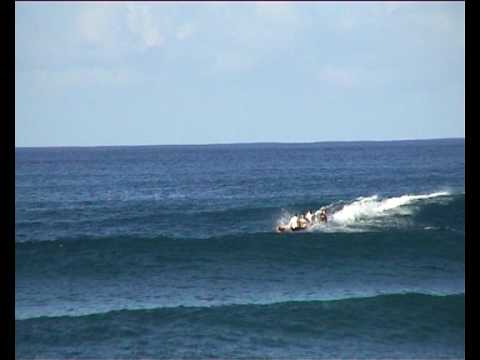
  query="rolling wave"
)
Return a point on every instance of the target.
[
  {"x": 328, "y": 244},
  {"x": 436, "y": 210},
  {"x": 333, "y": 298},
  {"x": 253, "y": 265},
  {"x": 318, "y": 328},
  {"x": 374, "y": 212},
  {"x": 111, "y": 273},
  {"x": 373, "y": 206}
]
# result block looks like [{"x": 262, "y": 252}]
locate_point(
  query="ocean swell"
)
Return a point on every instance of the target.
[{"x": 313, "y": 328}]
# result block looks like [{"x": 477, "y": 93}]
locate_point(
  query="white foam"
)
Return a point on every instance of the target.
[
  {"x": 373, "y": 207},
  {"x": 366, "y": 211}
]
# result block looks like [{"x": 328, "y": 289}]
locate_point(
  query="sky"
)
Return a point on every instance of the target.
[{"x": 93, "y": 73}]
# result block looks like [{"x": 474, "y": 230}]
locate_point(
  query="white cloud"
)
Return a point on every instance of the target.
[
  {"x": 96, "y": 25},
  {"x": 141, "y": 23},
  {"x": 110, "y": 25},
  {"x": 233, "y": 36},
  {"x": 253, "y": 32}
]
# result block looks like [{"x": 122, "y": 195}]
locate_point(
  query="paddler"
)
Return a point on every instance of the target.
[
  {"x": 323, "y": 215},
  {"x": 293, "y": 223},
  {"x": 309, "y": 216},
  {"x": 302, "y": 222},
  {"x": 320, "y": 215}
]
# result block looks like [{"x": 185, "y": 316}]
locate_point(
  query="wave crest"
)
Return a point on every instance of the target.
[
  {"x": 373, "y": 206},
  {"x": 364, "y": 212}
]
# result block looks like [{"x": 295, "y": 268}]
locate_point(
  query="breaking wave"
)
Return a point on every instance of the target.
[
  {"x": 365, "y": 212},
  {"x": 373, "y": 206}
]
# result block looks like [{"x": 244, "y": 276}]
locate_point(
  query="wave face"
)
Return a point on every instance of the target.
[
  {"x": 101, "y": 274},
  {"x": 170, "y": 252}
]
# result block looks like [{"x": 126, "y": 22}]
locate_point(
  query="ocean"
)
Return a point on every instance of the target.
[{"x": 170, "y": 252}]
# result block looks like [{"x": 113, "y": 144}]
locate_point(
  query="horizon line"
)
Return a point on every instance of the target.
[{"x": 244, "y": 143}]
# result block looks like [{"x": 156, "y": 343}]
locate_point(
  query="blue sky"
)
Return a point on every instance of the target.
[{"x": 220, "y": 72}]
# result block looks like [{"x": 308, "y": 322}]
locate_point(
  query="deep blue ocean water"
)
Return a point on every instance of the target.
[{"x": 171, "y": 251}]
